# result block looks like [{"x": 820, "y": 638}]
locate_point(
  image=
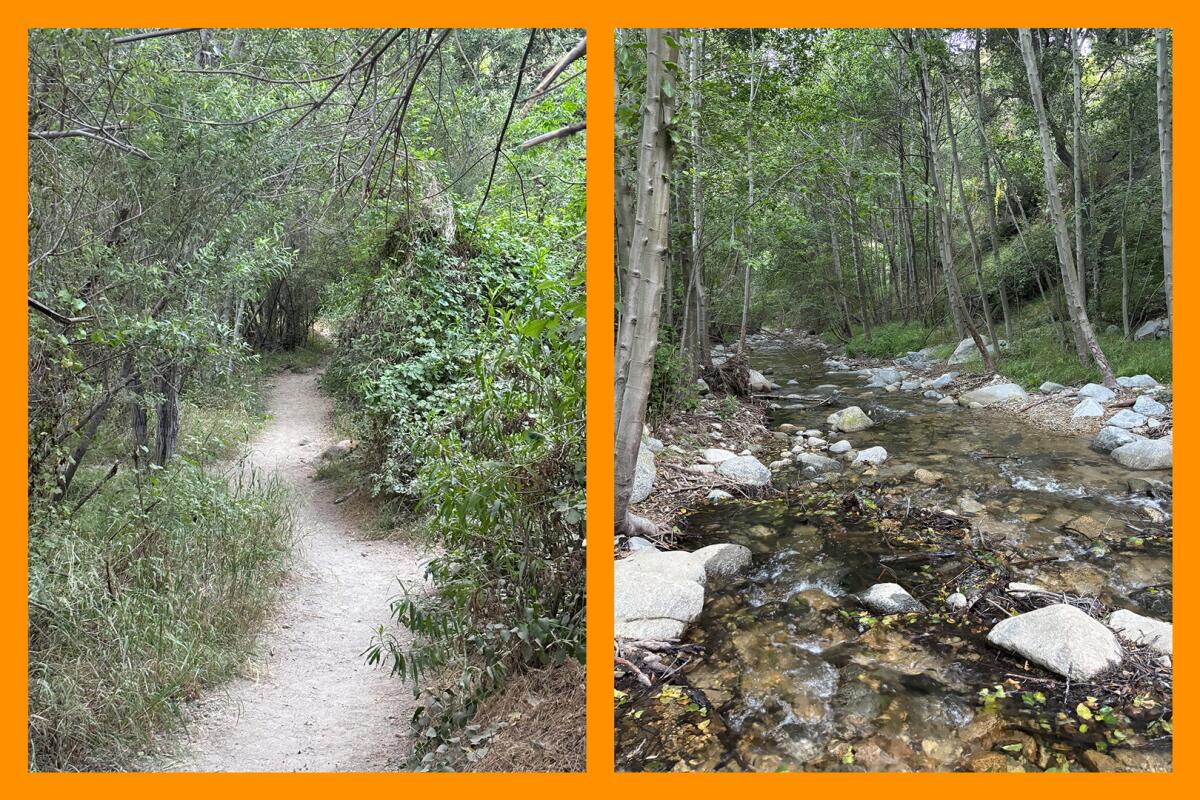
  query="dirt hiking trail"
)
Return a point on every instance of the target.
[{"x": 309, "y": 701}]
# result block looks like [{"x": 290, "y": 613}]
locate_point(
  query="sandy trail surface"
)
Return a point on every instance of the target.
[{"x": 308, "y": 701}]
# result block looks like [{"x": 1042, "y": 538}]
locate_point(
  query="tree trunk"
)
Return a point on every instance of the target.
[
  {"x": 989, "y": 190},
  {"x": 1164, "y": 165},
  {"x": 956, "y": 170},
  {"x": 701, "y": 300},
  {"x": 953, "y": 291},
  {"x": 1062, "y": 237},
  {"x": 1077, "y": 168},
  {"x": 637, "y": 336},
  {"x": 746, "y": 270},
  {"x": 167, "y": 434}
]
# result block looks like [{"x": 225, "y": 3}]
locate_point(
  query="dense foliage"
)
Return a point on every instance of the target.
[
  {"x": 808, "y": 155},
  {"x": 200, "y": 200}
]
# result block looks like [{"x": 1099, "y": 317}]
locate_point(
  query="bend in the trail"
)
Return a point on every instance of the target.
[{"x": 309, "y": 701}]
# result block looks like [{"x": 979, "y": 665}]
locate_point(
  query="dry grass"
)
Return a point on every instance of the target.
[{"x": 541, "y": 721}]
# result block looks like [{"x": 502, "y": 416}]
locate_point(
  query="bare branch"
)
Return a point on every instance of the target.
[{"x": 566, "y": 130}]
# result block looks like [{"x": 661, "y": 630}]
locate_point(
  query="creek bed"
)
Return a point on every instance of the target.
[{"x": 796, "y": 675}]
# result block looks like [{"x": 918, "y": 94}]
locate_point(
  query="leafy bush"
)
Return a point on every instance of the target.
[{"x": 671, "y": 386}]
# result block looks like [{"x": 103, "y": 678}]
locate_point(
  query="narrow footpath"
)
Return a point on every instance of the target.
[{"x": 308, "y": 701}]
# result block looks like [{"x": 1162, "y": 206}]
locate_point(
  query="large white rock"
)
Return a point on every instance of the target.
[
  {"x": 1097, "y": 392},
  {"x": 643, "y": 475},
  {"x": 839, "y": 447},
  {"x": 746, "y": 470},
  {"x": 1150, "y": 329},
  {"x": 1088, "y": 407},
  {"x": 850, "y": 420},
  {"x": 715, "y": 455},
  {"x": 1142, "y": 630},
  {"x": 988, "y": 395},
  {"x": 1110, "y": 438},
  {"x": 1060, "y": 638},
  {"x": 1144, "y": 454},
  {"x": 649, "y": 606},
  {"x": 759, "y": 382},
  {"x": 1127, "y": 419},
  {"x": 815, "y": 464},
  {"x": 871, "y": 455},
  {"x": 967, "y": 351},
  {"x": 1137, "y": 382},
  {"x": 1148, "y": 406},
  {"x": 671, "y": 564},
  {"x": 722, "y": 561},
  {"x": 889, "y": 598}
]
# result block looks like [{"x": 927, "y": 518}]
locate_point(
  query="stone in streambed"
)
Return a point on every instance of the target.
[
  {"x": 722, "y": 562},
  {"x": 1088, "y": 407},
  {"x": 850, "y": 420},
  {"x": 1149, "y": 407},
  {"x": 1061, "y": 638},
  {"x": 1127, "y": 419},
  {"x": 1142, "y": 630},
  {"x": 1110, "y": 438},
  {"x": 746, "y": 470},
  {"x": 989, "y": 395},
  {"x": 1144, "y": 454},
  {"x": 890, "y": 598}
]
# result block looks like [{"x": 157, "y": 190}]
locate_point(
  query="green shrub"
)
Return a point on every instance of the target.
[
  {"x": 1036, "y": 356},
  {"x": 671, "y": 387}
]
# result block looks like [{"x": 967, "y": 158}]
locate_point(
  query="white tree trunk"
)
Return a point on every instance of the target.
[
  {"x": 1164, "y": 163},
  {"x": 637, "y": 335}
]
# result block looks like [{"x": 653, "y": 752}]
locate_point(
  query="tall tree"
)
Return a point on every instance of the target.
[
  {"x": 1164, "y": 161},
  {"x": 1085, "y": 335},
  {"x": 637, "y": 335}
]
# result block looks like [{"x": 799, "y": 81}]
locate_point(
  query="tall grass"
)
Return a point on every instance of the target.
[
  {"x": 1037, "y": 356},
  {"x": 152, "y": 590},
  {"x": 894, "y": 339}
]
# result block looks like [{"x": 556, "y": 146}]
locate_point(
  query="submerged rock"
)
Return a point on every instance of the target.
[
  {"x": 850, "y": 420},
  {"x": 890, "y": 598},
  {"x": 1144, "y": 454},
  {"x": 816, "y": 464},
  {"x": 746, "y": 470},
  {"x": 1061, "y": 638},
  {"x": 988, "y": 395}
]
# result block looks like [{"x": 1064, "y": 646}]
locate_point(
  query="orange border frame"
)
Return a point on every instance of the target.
[{"x": 600, "y": 19}]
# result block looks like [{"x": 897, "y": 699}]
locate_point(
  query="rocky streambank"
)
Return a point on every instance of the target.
[{"x": 966, "y": 555}]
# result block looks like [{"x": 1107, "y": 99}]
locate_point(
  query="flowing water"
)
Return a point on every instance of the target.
[{"x": 799, "y": 678}]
